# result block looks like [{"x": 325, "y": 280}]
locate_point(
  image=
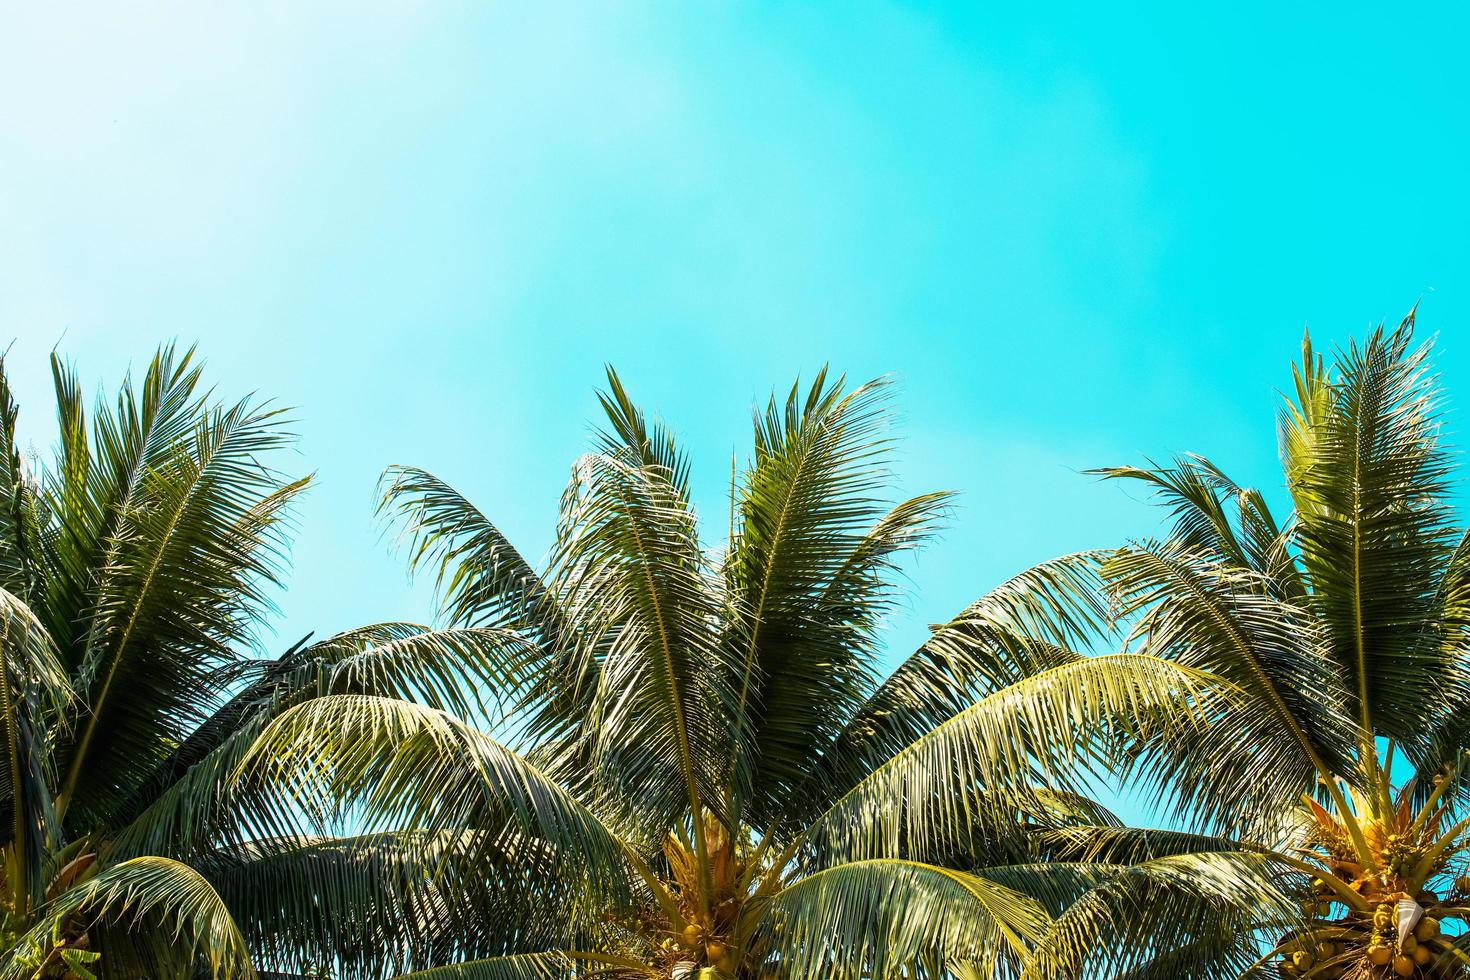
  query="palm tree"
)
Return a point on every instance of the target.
[
  {"x": 694, "y": 768},
  {"x": 134, "y": 574},
  {"x": 1342, "y": 755}
]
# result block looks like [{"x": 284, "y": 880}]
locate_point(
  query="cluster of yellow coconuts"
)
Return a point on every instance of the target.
[
  {"x": 715, "y": 951},
  {"x": 1301, "y": 961},
  {"x": 1383, "y": 950},
  {"x": 1411, "y": 952}
]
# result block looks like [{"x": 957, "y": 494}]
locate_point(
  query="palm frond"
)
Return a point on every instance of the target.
[
  {"x": 871, "y": 918},
  {"x": 1131, "y": 845},
  {"x": 481, "y": 578},
  {"x": 630, "y": 434},
  {"x": 807, "y": 575},
  {"x": 1206, "y": 908},
  {"x": 1370, "y": 482},
  {"x": 1292, "y": 721},
  {"x": 387, "y": 903},
  {"x": 21, "y": 507},
  {"x": 1056, "y": 729},
  {"x": 638, "y": 586},
  {"x": 1019, "y": 629},
  {"x": 193, "y": 799},
  {"x": 197, "y": 542},
  {"x": 34, "y": 689},
  {"x": 147, "y": 917},
  {"x": 396, "y": 765},
  {"x": 1447, "y": 635},
  {"x": 1215, "y": 517},
  {"x": 100, "y": 478}
]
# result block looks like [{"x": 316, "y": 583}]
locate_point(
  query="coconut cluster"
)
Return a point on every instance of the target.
[
  {"x": 1375, "y": 875},
  {"x": 1353, "y": 946},
  {"x": 700, "y": 938}
]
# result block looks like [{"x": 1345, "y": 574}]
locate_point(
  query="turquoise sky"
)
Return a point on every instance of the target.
[{"x": 1076, "y": 234}]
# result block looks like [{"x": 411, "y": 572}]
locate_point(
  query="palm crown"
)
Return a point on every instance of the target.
[
  {"x": 651, "y": 758},
  {"x": 694, "y": 769},
  {"x": 1342, "y": 632},
  {"x": 134, "y": 572}
]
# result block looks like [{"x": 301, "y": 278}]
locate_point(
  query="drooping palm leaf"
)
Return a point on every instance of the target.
[
  {"x": 1025, "y": 626},
  {"x": 1052, "y": 729},
  {"x": 870, "y": 918},
  {"x": 480, "y": 576},
  {"x": 1290, "y": 723},
  {"x": 395, "y": 764},
  {"x": 389, "y": 903},
  {"x": 194, "y": 797},
  {"x": 34, "y": 689},
  {"x": 1206, "y": 908},
  {"x": 149, "y": 917}
]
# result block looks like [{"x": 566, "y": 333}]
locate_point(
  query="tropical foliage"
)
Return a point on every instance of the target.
[
  {"x": 648, "y": 756},
  {"x": 1343, "y": 628},
  {"x": 134, "y": 572},
  {"x": 695, "y": 769}
]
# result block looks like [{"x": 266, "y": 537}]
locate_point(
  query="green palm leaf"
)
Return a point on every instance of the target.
[
  {"x": 34, "y": 688},
  {"x": 187, "y": 923},
  {"x": 807, "y": 575},
  {"x": 480, "y": 576},
  {"x": 1290, "y": 722},
  {"x": 394, "y": 764},
  {"x": 870, "y": 918},
  {"x": 1204, "y": 908},
  {"x": 194, "y": 798},
  {"x": 1017, "y": 630},
  {"x": 387, "y": 903},
  {"x": 639, "y": 588},
  {"x": 200, "y": 533},
  {"x": 21, "y": 571},
  {"x": 1374, "y": 524},
  {"x": 1052, "y": 729}
]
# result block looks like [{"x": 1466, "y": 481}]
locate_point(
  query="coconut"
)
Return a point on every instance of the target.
[
  {"x": 1427, "y": 929},
  {"x": 1302, "y": 959},
  {"x": 1422, "y": 955},
  {"x": 1403, "y": 966},
  {"x": 692, "y": 933},
  {"x": 1379, "y": 955}
]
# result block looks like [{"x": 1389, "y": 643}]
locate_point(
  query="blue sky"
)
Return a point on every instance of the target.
[{"x": 1075, "y": 234}]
